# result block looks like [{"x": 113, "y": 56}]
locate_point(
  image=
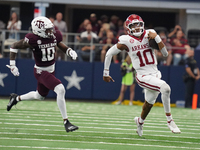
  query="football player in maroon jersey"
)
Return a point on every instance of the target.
[{"x": 42, "y": 42}]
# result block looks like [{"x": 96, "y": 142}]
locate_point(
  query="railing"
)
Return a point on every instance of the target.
[{"x": 68, "y": 38}]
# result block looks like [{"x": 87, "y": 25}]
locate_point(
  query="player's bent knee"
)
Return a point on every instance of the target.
[
  {"x": 147, "y": 104},
  {"x": 165, "y": 88},
  {"x": 59, "y": 89},
  {"x": 38, "y": 96}
]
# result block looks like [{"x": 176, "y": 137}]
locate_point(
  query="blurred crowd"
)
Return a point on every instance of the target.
[
  {"x": 107, "y": 29},
  {"x": 103, "y": 31}
]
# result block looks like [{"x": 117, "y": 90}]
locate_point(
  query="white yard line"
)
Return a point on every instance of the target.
[
  {"x": 147, "y": 125},
  {"x": 102, "y": 132},
  {"x": 106, "y": 143},
  {"x": 99, "y": 137},
  {"x": 35, "y": 147}
]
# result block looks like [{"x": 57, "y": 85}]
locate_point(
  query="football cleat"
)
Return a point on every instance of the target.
[
  {"x": 173, "y": 127},
  {"x": 12, "y": 101},
  {"x": 69, "y": 127},
  {"x": 139, "y": 126}
]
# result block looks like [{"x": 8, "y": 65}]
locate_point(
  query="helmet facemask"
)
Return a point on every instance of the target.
[
  {"x": 50, "y": 33},
  {"x": 136, "y": 28}
]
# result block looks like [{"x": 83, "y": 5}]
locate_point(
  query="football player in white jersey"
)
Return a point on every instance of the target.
[{"x": 143, "y": 58}]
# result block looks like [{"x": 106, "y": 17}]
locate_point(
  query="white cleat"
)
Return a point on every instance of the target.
[
  {"x": 173, "y": 127},
  {"x": 139, "y": 126}
]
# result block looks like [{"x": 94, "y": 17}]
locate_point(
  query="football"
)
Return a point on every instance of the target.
[{"x": 153, "y": 44}]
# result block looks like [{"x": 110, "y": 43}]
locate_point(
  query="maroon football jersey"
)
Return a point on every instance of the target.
[{"x": 43, "y": 48}]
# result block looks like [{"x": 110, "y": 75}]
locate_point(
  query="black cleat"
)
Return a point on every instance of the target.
[
  {"x": 12, "y": 101},
  {"x": 69, "y": 127}
]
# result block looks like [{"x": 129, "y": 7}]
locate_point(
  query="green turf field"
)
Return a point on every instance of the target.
[{"x": 37, "y": 125}]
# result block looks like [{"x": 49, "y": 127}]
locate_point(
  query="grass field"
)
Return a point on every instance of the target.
[{"x": 37, "y": 125}]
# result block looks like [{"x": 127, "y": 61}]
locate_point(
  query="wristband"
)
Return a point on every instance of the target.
[
  {"x": 105, "y": 73},
  {"x": 12, "y": 63},
  {"x": 67, "y": 52},
  {"x": 158, "y": 39},
  {"x": 13, "y": 50}
]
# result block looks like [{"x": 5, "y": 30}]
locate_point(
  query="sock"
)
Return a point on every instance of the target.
[
  {"x": 169, "y": 118},
  {"x": 17, "y": 98},
  {"x": 141, "y": 121},
  {"x": 29, "y": 96},
  {"x": 60, "y": 91}
]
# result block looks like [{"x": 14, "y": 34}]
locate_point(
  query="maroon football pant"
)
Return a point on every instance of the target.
[{"x": 45, "y": 81}]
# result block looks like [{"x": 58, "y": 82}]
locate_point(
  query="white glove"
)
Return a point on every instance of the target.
[
  {"x": 73, "y": 54},
  {"x": 14, "y": 70}
]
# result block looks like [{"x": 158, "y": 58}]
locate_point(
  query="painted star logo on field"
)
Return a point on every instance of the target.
[
  {"x": 2, "y": 76},
  {"x": 74, "y": 80}
]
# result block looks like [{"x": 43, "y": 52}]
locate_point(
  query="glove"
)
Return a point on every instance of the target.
[
  {"x": 14, "y": 70},
  {"x": 73, "y": 54}
]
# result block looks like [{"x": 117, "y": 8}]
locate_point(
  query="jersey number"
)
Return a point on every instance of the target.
[
  {"x": 48, "y": 54},
  {"x": 147, "y": 61}
]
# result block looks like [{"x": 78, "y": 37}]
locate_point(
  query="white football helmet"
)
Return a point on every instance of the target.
[
  {"x": 40, "y": 25},
  {"x": 134, "y": 22}
]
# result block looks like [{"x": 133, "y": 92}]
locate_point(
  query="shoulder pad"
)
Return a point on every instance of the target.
[{"x": 123, "y": 39}]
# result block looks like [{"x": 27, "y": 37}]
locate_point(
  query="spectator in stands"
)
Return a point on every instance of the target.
[
  {"x": 122, "y": 29},
  {"x": 164, "y": 60},
  {"x": 95, "y": 25},
  {"x": 128, "y": 80},
  {"x": 180, "y": 36},
  {"x": 173, "y": 33},
  {"x": 14, "y": 25},
  {"x": 85, "y": 48},
  {"x": 110, "y": 34},
  {"x": 87, "y": 32},
  {"x": 103, "y": 19},
  {"x": 180, "y": 48},
  {"x": 191, "y": 75},
  {"x": 179, "y": 51},
  {"x": 103, "y": 32},
  {"x": 52, "y": 19},
  {"x": 109, "y": 42},
  {"x": 82, "y": 26},
  {"x": 62, "y": 27},
  {"x": 113, "y": 24}
]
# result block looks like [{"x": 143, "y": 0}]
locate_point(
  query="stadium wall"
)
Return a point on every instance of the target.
[{"x": 84, "y": 80}]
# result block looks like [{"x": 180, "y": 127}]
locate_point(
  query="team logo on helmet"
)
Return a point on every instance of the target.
[{"x": 39, "y": 24}]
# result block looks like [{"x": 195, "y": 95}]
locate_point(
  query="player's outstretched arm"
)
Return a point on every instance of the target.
[
  {"x": 114, "y": 50},
  {"x": 22, "y": 44},
  {"x": 67, "y": 50}
]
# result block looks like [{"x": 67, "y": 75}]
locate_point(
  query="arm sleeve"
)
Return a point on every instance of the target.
[
  {"x": 112, "y": 51},
  {"x": 164, "y": 51}
]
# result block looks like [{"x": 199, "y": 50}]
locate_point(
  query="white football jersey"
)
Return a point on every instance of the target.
[{"x": 142, "y": 56}]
